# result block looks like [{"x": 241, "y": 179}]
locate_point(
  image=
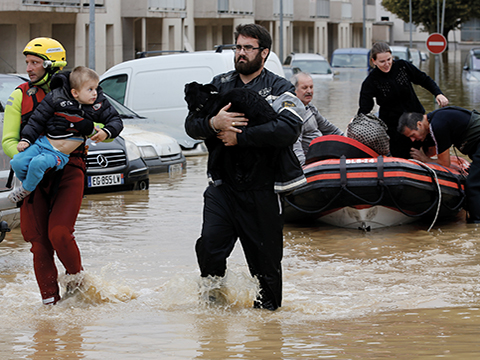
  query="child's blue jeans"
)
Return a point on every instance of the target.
[{"x": 30, "y": 165}]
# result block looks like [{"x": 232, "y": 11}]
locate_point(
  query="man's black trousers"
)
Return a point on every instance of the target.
[
  {"x": 472, "y": 187},
  {"x": 255, "y": 218}
]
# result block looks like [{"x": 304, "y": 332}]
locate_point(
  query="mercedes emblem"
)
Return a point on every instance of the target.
[{"x": 102, "y": 161}]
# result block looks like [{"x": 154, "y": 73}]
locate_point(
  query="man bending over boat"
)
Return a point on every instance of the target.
[
  {"x": 314, "y": 124},
  {"x": 441, "y": 129}
]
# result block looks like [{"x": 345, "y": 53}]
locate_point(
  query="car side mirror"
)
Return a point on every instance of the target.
[{"x": 466, "y": 68}]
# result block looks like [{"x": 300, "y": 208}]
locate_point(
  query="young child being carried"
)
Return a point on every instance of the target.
[{"x": 66, "y": 116}]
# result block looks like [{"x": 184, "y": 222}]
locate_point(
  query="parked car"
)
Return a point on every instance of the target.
[
  {"x": 471, "y": 66},
  {"x": 9, "y": 212},
  {"x": 314, "y": 64},
  {"x": 351, "y": 59},
  {"x": 154, "y": 87},
  {"x": 424, "y": 55},
  {"x": 401, "y": 52},
  {"x": 161, "y": 152},
  {"x": 415, "y": 56},
  {"x": 115, "y": 165}
]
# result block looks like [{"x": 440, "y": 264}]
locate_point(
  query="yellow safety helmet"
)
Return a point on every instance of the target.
[{"x": 50, "y": 50}]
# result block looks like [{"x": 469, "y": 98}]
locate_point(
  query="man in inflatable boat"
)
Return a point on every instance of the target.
[
  {"x": 314, "y": 124},
  {"x": 441, "y": 129}
]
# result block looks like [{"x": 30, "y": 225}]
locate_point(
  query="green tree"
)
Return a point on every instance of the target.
[{"x": 424, "y": 12}]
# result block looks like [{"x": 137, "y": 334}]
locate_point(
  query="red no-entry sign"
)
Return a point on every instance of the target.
[{"x": 436, "y": 43}]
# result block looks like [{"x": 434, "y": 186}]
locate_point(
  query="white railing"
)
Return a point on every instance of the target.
[
  {"x": 287, "y": 8},
  {"x": 62, "y": 3},
  {"x": 166, "y": 5},
  {"x": 235, "y": 6}
]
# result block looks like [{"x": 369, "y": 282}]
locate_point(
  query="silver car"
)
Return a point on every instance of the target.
[
  {"x": 314, "y": 64},
  {"x": 471, "y": 66},
  {"x": 9, "y": 212}
]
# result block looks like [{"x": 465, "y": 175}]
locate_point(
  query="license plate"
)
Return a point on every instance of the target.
[
  {"x": 175, "y": 169},
  {"x": 105, "y": 180}
]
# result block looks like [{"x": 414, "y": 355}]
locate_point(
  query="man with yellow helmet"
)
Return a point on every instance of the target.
[
  {"x": 51, "y": 52},
  {"x": 49, "y": 213}
]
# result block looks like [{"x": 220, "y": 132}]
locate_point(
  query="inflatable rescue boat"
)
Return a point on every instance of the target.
[{"x": 349, "y": 185}]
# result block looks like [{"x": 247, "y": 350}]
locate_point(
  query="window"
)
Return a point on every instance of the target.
[{"x": 116, "y": 87}]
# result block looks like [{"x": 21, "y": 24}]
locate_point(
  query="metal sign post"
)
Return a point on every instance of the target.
[{"x": 436, "y": 44}]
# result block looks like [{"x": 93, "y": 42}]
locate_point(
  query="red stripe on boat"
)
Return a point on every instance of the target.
[
  {"x": 387, "y": 174},
  {"x": 345, "y": 140}
]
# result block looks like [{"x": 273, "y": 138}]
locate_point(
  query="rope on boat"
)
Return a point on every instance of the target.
[
  {"x": 287, "y": 200},
  {"x": 459, "y": 184},
  {"x": 439, "y": 203}
]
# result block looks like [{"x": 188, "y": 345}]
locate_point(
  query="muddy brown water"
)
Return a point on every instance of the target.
[{"x": 399, "y": 293}]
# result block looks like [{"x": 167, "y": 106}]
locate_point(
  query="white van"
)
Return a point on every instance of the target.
[{"x": 154, "y": 86}]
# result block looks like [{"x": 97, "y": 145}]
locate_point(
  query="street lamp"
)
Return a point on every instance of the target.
[
  {"x": 91, "y": 36},
  {"x": 281, "y": 32}
]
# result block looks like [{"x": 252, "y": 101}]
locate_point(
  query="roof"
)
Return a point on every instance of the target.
[
  {"x": 352, "y": 51},
  {"x": 306, "y": 56}
]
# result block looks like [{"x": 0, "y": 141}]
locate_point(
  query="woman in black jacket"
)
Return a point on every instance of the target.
[{"x": 390, "y": 83}]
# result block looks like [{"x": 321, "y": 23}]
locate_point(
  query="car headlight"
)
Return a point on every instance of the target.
[
  {"x": 132, "y": 151},
  {"x": 148, "y": 152}
]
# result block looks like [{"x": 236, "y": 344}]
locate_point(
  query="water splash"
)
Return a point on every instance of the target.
[
  {"x": 93, "y": 289},
  {"x": 235, "y": 290}
]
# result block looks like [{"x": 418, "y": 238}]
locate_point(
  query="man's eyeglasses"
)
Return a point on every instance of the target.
[{"x": 246, "y": 48}]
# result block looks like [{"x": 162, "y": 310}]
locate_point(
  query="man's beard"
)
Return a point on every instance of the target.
[{"x": 249, "y": 67}]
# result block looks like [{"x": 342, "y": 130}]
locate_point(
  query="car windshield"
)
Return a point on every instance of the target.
[
  {"x": 415, "y": 55},
  {"x": 350, "y": 60},
  {"x": 123, "y": 111},
  {"x": 400, "y": 55},
  {"x": 312, "y": 66},
  {"x": 7, "y": 85},
  {"x": 476, "y": 60}
]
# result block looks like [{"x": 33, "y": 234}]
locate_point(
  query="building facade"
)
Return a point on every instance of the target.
[{"x": 124, "y": 29}]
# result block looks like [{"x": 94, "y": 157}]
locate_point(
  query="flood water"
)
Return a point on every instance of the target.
[{"x": 394, "y": 293}]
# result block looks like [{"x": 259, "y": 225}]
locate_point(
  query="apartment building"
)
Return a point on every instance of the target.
[{"x": 125, "y": 28}]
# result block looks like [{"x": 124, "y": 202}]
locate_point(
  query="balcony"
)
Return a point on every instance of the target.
[
  {"x": 62, "y": 3},
  {"x": 243, "y": 7},
  {"x": 320, "y": 9},
  {"x": 358, "y": 11},
  {"x": 223, "y": 8},
  {"x": 311, "y": 9},
  {"x": 166, "y": 5},
  {"x": 340, "y": 11},
  {"x": 287, "y": 8},
  {"x": 153, "y": 8}
]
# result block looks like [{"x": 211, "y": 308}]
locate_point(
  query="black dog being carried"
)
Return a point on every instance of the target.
[{"x": 234, "y": 164}]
